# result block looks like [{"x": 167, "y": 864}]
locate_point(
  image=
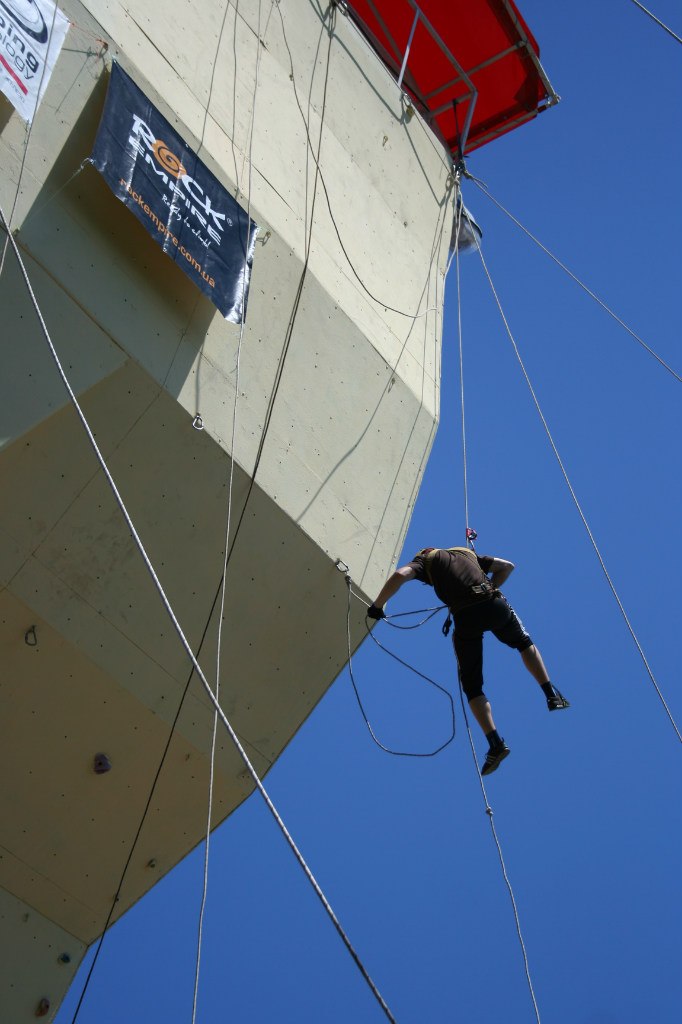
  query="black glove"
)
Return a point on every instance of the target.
[{"x": 375, "y": 613}]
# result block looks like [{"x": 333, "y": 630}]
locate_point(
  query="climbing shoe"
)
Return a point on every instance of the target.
[
  {"x": 494, "y": 758},
  {"x": 557, "y": 702}
]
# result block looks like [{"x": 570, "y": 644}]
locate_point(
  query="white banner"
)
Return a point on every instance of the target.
[{"x": 31, "y": 37}]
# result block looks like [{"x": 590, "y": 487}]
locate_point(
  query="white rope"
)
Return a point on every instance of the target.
[
  {"x": 574, "y": 496},
  {"x": 374, "y": 298},
  {"x": 489, "y": 812},
  {"x": 657, "y": 20},
  {"x": 459, "y": 208},
  {"x": 183, "y": 639},
  {"x": 484, "y": 189},
  {"x": 230, "y": 488},
  {"x": 460, "y": 212}
]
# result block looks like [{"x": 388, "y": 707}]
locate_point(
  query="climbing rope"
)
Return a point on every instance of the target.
[
  {"x": 316, "y": 160},
  {"x": 471, "y": 535},
  {"x": 465, "y": 488},
  {"x": 388, "y": 750},
  {"x": 228, "y": 523},
  {"x": 183, "y": 639},
  {"x": 482, "y": 187},
  {"x": 575, "y": 497},
  {"x": 489, "y": 812},
  {"x": 657, "y": 20},
  {"x": 388, "y": 619}
]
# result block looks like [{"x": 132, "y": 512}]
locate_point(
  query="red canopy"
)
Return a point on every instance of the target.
[{"x": 457, "y": 45}]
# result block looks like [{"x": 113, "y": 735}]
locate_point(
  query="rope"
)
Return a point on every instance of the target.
[
  {"x": 415, "y": 611},
  {"x": 28, "y": 139},
  {"x": 208, "y": 619},
  {"x": 575, "y": 498},
  {"x": 183, "y": 639},
  {"x": 470, "y": 542},
  {"x": 484, "y": 189},
  {"x": 395, "y": 625},
  {"x": 489, "y": 812},
  {"x": 465, "y": 489},
  {"x": 389, "y": 750},
  {"x": 657, "y": 20},
  {"x": 223, "y": 585},
  {"x": 378, "y": 301}
]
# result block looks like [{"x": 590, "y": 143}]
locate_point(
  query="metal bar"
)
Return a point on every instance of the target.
[
  {"x": 553, "y": 97},
  {"x": 460, "y": 70},
  {"x": 479, "y": 67},
  {"x": 444, "y": 107},
  {"x": 397, "y": 52},
  {"x": 497, "y": 132},
  {"x": 467, "y": 123},
  {"x": 417, "y": 13}
]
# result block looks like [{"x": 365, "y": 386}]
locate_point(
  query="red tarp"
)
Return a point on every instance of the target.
[{"x": 482, "y": 37}]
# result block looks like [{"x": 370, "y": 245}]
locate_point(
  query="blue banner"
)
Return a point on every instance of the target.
[{"x": 174, "y": 195}]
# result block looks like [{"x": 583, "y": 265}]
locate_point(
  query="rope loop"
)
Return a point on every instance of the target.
[{"x": 432, "y": 682}]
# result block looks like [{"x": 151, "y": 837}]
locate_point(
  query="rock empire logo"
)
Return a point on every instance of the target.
[{"x": 170, "y": 169}]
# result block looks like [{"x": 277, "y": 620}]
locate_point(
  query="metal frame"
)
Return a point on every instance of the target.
[
  {"x": 472, "y": 93},
  {"x": 405, "y": 78},
  {"x": 553, "y": 97}
]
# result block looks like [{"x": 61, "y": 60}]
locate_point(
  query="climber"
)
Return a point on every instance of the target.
[{"x": 469, "y": 585}]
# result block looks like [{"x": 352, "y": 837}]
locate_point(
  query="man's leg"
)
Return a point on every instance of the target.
[
  {"x": 532, "y": 659},
  {"x": 468, "y": 643},
  {"x": 482, "y": 712},
  {"x": 512, "y": 632}
]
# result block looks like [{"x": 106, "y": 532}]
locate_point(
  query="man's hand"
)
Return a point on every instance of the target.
[{"x": 375, "y": 613}]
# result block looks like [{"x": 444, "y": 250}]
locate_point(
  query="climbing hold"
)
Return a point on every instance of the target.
[
  {"x": 30, "y": 637},
  {"x": 64, "y": 958},
  {"x": 101, "y": 764},
  {"x": 43, "y": 1008}
]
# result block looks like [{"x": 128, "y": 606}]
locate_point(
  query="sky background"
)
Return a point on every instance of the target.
[{"x": 587, "y": 807}]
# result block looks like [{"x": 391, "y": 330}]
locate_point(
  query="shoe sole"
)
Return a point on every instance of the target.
[
  {"x": 560, "y": 707},
  {"x": 493, "y": 768}
]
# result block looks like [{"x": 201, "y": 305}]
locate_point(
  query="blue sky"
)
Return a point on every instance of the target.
[{"x": 587, "y": 807}]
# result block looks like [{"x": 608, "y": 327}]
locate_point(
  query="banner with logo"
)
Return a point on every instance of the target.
[
  {"x": 174, "y": 195},
  {"x": 31, "y": 37}
]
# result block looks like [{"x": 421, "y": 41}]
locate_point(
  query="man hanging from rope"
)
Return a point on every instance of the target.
[{"x": 460, "y": 578}]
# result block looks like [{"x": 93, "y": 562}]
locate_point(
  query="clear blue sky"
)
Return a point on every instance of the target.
[{"x": 588, "y": 805}]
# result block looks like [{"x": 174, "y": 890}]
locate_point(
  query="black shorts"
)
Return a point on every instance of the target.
[{"x": 496, "y": 616}]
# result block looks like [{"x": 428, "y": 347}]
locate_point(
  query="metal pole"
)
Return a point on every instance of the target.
[{"x": 409, "y": 44}]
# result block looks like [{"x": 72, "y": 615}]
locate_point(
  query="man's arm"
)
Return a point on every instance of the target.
[
  {"x": 501, "y": 570},
  {"x": 390, "y": 587}
]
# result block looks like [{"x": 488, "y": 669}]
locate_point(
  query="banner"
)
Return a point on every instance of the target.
[
  {"x": 174, "y": 195},
  {"x": 31, "y": 37}
]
